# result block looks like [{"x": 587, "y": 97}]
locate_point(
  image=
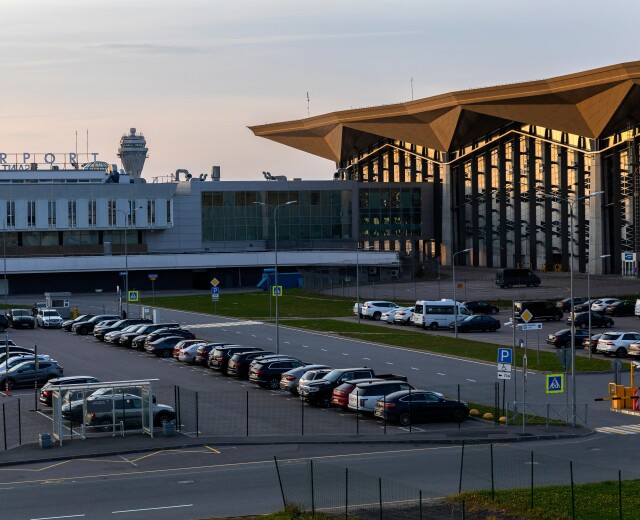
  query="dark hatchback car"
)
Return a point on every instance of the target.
[
  {"x": 220, "y": 356},
  {"x": 621, "y": 308},
  {"x": 163, "y": 333},
  {"x": 163, "y": 347},
  {"x": 24, "y": 374},
  {"x": 267, "y": 373},
  {"x": 128, "y": 339},
  {"x": 100, "y": 330},
  {"x": 408, "y": 407},
  {"x": 591, "y": 343},
  {"x": 203, "y": 351},
  {"x": 67, "y": 324},
  {"x": 46, "y": 392},
  {"x": 565, "y": 305},
  {"x": 86, "y": 327},
  {"x": 239, "y": 363},
  {"x": 21, "y": 319},
  {"x": 481, "y": 307},
  {"x": 562, "y": 338},
  {"x": 477, "y": 323},
  {"x": 597, "y": 320}
]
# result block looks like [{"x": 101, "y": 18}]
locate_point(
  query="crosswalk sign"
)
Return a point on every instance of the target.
[
  {"x": 276, "y": 290},
  {"x": 555, "y": 383},
  {"x": 133, "y": 296}
]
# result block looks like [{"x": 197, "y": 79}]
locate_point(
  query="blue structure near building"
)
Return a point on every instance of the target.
[{"x": 285, "y": 280}]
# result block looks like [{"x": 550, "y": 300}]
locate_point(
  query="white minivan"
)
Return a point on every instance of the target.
[{"x": 438, "y": 314}]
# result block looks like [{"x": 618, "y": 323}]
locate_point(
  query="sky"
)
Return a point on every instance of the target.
[{"x": 192, "y": 75}]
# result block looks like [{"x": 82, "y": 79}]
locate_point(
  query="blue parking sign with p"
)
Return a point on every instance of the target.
[{"x": 505, "y": 355}]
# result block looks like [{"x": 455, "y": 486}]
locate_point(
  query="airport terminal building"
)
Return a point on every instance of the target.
[{"x": 521, "y": 175}]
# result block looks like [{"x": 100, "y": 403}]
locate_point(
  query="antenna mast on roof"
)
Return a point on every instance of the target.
[
  {"x": 411, "y": 88},
  {"x": 307, "y": 104}
]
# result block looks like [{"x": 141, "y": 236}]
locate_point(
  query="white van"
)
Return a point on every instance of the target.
[{"x": 438, "y": 314}]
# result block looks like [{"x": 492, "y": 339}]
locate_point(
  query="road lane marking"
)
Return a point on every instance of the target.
[
  {"x": 366, "y": 359},
  {"x": 388, "y": 362},
  {"x": 323, "y": 349},
  {"x": 414, "y": 368},
  {"x": 441, "y": 374},
  {"x": 472, "y": 380},
  {"x": 54, "y": 517},
  {"x": 150, "y": 509}
]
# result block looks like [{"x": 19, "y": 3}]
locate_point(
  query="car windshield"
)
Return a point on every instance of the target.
[
  {"x": 20, "y": 312},
  {"x": 50, "y": 313},
  {"x": 333, "y": 376}
]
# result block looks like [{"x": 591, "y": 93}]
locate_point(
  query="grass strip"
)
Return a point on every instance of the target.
[{"x": 460, "y": 347}]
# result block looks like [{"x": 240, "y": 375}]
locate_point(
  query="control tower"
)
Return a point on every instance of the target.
[{"x": 133, "y": 152}]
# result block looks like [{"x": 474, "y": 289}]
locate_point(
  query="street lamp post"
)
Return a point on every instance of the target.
[
  {"x": 275, "y": 249},
  {"x": 127, "y": 217},
  {"x": 455, "y": 305},
  {"x": 358, "y": 276},
  {"x": 589, "y": 297},
  {"x": 571, "y": 203}
]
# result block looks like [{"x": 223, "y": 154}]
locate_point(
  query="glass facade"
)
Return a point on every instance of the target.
[
  {"x": 242, "y": 215},
  {"x": 389, "y": 212}
]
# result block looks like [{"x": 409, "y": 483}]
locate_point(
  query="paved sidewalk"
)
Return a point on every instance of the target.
[{"x": 137, "y": 443}]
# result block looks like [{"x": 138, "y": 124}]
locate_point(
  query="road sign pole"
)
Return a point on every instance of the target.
[{"x": 524, "y": 381}]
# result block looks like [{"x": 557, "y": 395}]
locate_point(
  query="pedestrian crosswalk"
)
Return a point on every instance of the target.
[
  {"x": 222, "y": 324},
  {"x": 624, "y": 429}
]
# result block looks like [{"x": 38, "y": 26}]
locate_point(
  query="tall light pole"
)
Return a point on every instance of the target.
[
  {"x": 358, "y": 276},
  {"x": 455, "y": 304},
  {"x": 589, "y": 297},
  {"x": 276, "y": 288},
  {"x": 571, "y": 203},
  {"x": 127, "y": 217}
]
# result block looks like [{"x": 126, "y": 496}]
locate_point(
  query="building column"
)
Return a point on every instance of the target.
[
  {"x": 596, "y": 213},
  {"x": 447, "y": 211}
]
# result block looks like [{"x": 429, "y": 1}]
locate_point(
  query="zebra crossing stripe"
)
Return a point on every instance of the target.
[{"x": 617, "y": 430}]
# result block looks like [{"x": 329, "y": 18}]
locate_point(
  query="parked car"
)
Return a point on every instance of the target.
[
  {"x": 365, "y": 395},
  {"x": 73, "y": 406},
  {"x": 634, "y": 350},
  {"x": 239, "y": 363},
  {"x": 24, "y": 374},
  {"x": 477, "y": 322},
  {"x": 20, "y": 318},
  {"x": 107, "y": 413},
  {"x": 289, "y": 380},
  {"x": 126, "y": 340},
  {"x": 597, "y": 320},
  {"x": 389, "y": 315},
  {"x": 48, "y": 319},
  {"x": 481, "y": 307},
  {"x": 4, "y": 323},
  {"x": 562, "y": 338},
  {"x": 591, "y": 343},
  {"x": 219, "y": 357},
  {"x": 203, "y": 351},
  {"x": 14, "y": 360},
  {"x": 267, "y": 373},
  {"x": 583, "y": 307},
  {"x": 540, "y": 309},
  {"x": 86, "y": 327},
  {"x": 616, "y": 343},
  {"x": 601, "y": 304},
  {"x": 506, "y": 278},
  {"x": 46, "y": 392},
  {"x": 163, "y": 347},
  {"x": 404, "y": 316},
  {"x": 187, "y": 353},
  {"x": 13, "y": 350},
  {"x": 621, "y": 308},
  {"x": 340, "y": 394},
  {"x": 565, "y": 305},
  {"x": 163, "y": 333},
  {"x": 417, "y": 406},
  {"x": 113, "y": 337},
  {"x": 67, "y": 324},
  {"x": 374, "y": 309},
  {"x": 100, "y": 330}
]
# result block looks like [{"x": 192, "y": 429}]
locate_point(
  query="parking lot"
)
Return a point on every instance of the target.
[{"x": 210, "y": 403}]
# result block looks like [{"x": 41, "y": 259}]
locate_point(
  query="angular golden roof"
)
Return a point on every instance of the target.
[{"x": 592, "y": 104}]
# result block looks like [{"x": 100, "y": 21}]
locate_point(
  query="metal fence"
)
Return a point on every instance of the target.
[
  {"x": 543, "y": 481},
  {"x": 320, "y": 487}
]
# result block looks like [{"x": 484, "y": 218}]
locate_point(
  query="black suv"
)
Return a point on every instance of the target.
[
  {"x": 163, "y": 333},
  {"x": 481, "y": 307},
  {"x": 86, "y": 327},
  {"x": 21, "y": 318},
  {"x": 67, "y": 324},
  {"x": 562, "y": 338},
  {"x": 220, "y": 356},
  {"x": 540, "y": 310},
  {"x": 239, "y": 363},
  {"x": 127, "y": 339},
  {"x": 267, "y": 373},
  {"x": 319, "y": 392}
]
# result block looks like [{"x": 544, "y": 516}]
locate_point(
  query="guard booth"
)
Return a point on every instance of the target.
[
  {"x": 60, "y": 301},
  {"x": 102, "y": 409},
  {"x": 625, "y": 397}
]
